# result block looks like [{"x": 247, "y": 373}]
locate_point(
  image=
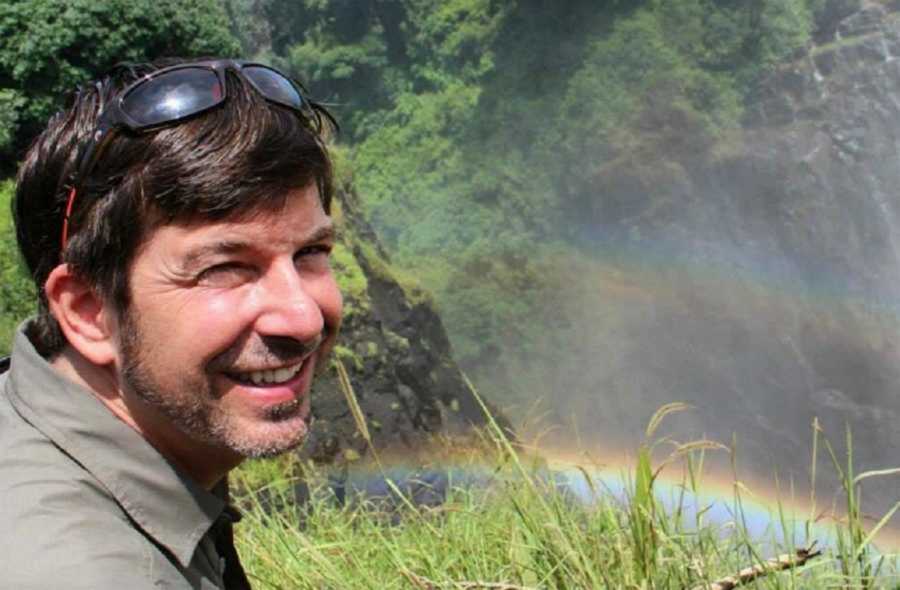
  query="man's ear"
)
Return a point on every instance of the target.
[{"x": 85, "y": 319}]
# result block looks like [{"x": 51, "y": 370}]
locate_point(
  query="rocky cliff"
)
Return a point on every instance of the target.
[
  {"x": 396, "y": 353},
  {"x": 758, "y": 276}
]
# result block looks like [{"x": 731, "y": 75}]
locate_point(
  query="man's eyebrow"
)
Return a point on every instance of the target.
[
  {"x": 324, "y": 232},
  {"x": 196, "y": 255}
]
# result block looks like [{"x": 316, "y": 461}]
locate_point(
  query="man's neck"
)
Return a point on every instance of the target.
[{"x": 205, "y": 464}]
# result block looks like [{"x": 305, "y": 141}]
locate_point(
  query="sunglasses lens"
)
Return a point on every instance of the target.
[
  {"x": 173, "y": 95},
  {"x": 274, "y": 86}
]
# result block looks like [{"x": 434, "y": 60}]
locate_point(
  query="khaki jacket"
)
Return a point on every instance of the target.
[{"x": 87, "y": 504}]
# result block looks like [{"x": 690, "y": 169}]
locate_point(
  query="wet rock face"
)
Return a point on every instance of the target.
[
  {"x": 776, "y": 297},
  {"x": 810, "y": 184},
  {"x": 830, "y": 17},
  {"x": 396, "y": 353},
  {"x": 827, "y": 132}
]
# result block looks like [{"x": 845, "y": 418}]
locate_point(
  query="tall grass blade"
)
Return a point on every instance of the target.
[
  {"x": 875, "y": 473},
  {"x": 687, "y": 449},
  {"x": 660, "y": 414},
  {"x": 876, "y": 529},
  {"x": 352, "y": 401}
]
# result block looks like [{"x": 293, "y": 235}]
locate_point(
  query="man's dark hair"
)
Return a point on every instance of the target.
[{"x": 239, "y": 158}]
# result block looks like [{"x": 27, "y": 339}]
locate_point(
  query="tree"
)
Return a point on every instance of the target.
[
  {"x": 48, "y": 47},
  {"x": 362, "y": 56}
]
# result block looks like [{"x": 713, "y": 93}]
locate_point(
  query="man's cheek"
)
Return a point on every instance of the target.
[
  {"x": 211, "y": 317},
  {"x": 332, "y": 304}
]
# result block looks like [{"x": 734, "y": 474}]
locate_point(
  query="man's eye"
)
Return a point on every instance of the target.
[
  {"x": 224, "y": 274},
  {"x": 313, "y": 258},
  {"x": 318, "y": 251}
]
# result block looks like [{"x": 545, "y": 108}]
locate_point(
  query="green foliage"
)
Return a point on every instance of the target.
[
  {"x": 638, "y": 79},
  {"x": 351, "y": 280},
  {"x": 48, "y": 47},
  {"x": 362, "y": 56},
  {"x": 738, "y": 40},
  {"x": 447, "y": 40},
  {"x": 17, "y": 296},
  {"x": 405, "y": 167},
  {"x": 319, "y": 59},
  {"x": 482, "y": 129},
  {"x": 11, "y": 103},
  {"x": 344, "y": 51},
  {"x": 350, "y": 277}
]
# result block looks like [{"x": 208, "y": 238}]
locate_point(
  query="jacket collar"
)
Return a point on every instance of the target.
[{"x": 169, "y": 506}]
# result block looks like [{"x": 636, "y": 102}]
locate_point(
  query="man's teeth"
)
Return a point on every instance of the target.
[{"x": 271, "y": 376}]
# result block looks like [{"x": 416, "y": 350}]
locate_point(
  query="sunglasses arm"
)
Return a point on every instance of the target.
[{"x": 91, "y": 154}]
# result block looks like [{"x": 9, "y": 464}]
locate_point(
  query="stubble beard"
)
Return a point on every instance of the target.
[{"x": 194, "y": 409}]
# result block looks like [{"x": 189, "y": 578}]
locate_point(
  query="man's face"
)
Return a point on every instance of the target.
[{"x": 227, "y": 323}]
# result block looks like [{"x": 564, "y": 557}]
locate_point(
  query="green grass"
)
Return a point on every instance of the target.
[{"x": 524, "y": 532}]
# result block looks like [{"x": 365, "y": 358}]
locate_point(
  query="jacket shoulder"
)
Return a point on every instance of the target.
[{"x": 59, "y": 527}]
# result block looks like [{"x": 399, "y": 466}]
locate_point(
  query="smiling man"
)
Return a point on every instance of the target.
[{"x": 175, "y": 219}]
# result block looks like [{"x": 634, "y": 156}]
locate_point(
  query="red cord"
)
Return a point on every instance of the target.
[{"x": 65, "y": 229}]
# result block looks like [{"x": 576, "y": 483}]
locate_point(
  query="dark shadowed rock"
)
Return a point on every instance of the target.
[
  {"x": 830, "y": 17},
  {"x": 863, "y": 22}
]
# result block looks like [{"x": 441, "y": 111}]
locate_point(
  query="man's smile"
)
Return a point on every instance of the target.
[
  {"x": 269, "y": 376},
  {"x": 274, "y": 385}
]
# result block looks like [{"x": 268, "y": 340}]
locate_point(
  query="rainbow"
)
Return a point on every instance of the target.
[
  {"x": 757, "y": 506},
  {"x": 768, "y": 516}
]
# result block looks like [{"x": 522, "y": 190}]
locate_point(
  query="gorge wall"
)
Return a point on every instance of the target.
[
  {"x": 395, "y": 350},
  {"x": 758, "y": 278}
]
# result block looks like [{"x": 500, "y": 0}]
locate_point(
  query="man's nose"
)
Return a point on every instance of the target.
[{"x": 288, "y": 308}]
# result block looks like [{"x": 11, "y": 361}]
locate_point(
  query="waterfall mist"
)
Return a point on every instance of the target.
[{"x": 761, "y": 285}]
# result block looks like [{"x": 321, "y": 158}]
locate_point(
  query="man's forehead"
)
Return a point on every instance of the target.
[{"x": 300, "y": 219}]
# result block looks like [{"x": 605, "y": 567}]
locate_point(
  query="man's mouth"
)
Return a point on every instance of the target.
[{"x": 268, "y": 376}]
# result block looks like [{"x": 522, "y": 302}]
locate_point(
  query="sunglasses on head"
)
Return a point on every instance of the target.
[{"x": 170, "y": 95}]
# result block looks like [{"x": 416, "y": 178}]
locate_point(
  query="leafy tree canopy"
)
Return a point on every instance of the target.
[
  {"x": 363, "y": 55},
  {"x": 48, "y": 47}
]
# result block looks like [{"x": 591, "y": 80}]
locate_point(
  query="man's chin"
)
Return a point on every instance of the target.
[
  {"x": 268, "y": 452},
  {"x": 269, "y": 439}
]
